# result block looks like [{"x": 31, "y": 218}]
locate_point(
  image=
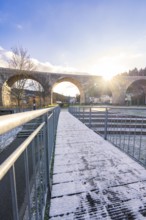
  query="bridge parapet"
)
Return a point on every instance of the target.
[{"x": 37, "y": 150}]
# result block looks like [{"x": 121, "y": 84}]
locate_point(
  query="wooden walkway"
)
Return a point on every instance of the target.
[{"x": 92, "y": 179}]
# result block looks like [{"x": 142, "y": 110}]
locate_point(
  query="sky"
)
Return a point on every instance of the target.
[{"x": 101, "y": 37}]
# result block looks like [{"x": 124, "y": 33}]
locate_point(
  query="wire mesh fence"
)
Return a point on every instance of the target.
[{"x": 124, "y": 127}]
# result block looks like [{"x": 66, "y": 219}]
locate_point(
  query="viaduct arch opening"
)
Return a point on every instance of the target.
[
  {"x": 136, "y": 93},
  {"x": 22, "y": 90},
  {"x": 100, "y": 93},
  {"x": 79, "y": 98}
]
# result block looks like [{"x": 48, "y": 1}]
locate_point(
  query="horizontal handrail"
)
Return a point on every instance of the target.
[
  {"x": 8, "y": 122},
  {"x": 8, "y": 163},
  {"x": 109, "y": 107}
]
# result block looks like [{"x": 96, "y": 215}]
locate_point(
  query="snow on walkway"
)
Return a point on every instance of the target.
[{"x": 92, "y": 179}]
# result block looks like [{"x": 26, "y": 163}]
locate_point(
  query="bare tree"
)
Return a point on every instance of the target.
[
  {"x": 38, "y": 91},
  {"x": 20, "y": 61}
]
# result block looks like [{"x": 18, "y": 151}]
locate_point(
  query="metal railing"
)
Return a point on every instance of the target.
[
  {"x": 124, "y": 127},
  {"x": 27, "y": 171}
]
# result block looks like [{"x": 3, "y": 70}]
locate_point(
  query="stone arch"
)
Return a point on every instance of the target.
[
  {"x": 75, "y": 82},
  {"x": 132, "y": 80},
  {"x": 6, "y": 87},
  {"x": 119, "y": 86},
  {"x": 136, "y": 92}
]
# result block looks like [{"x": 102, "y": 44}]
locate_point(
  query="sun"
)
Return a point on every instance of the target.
[
  {"x": 109, "y": 71},
  {"x": 107, "y": 77},
  {"x": 109, "y": 66}
]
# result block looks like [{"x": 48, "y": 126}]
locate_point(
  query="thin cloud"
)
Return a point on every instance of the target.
[
  {"x": 111, "y": 64},
  {"x": 48, "y": 67},
  {"x": 19, "y": 26},
  {"x": 40, "y": 66},
  {"x": 3, "y": 60},
  {"x": 1, "y": 48},
  {"x": 108, "y": 64}
]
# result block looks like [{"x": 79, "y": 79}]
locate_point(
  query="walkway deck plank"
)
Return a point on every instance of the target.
[{"x": 92, "y": 179}]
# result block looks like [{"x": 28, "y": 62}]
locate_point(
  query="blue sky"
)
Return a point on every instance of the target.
[{"x": 103, "y": 37}]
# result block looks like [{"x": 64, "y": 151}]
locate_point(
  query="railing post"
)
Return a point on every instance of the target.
[
  {"x": 83, "y": 115},
  {"x": 106, "y": 124},
  {"x": 53, "y": 122},
  {"x": 90, "y": 118},
  {"x": 79, "y": 113},
  {"x": 14, "y": 193},
  {"x": 35, "y": 178},
  {"x": 47, "y": 145},
  {"x": 27, "y": 182}
]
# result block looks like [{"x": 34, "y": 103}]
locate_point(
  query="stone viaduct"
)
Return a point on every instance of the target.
[{"x": 118, "y": 85}]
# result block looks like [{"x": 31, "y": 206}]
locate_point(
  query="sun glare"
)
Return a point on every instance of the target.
[
  {"x": 110, "y": 65},
  {"x": 107, "y": 77},
  {"x": 109, "y": 71}
]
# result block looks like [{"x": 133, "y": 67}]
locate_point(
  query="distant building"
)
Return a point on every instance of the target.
[{"x": 104, "y": 99}]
